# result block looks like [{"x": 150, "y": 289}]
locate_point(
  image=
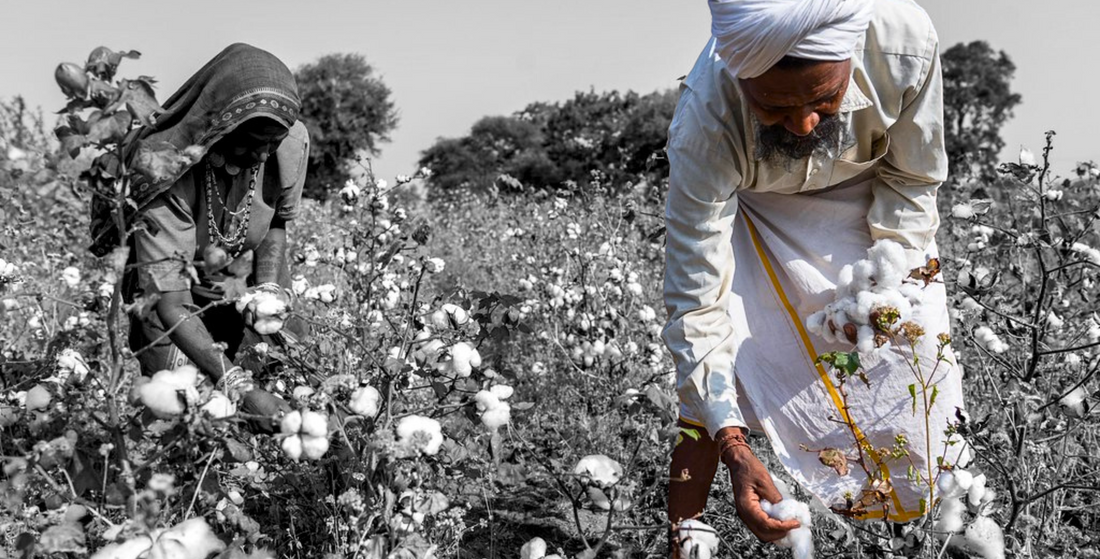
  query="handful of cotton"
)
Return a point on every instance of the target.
[
  {"x": 875, "y": 282},
  {"x": 800, "y": 540}
]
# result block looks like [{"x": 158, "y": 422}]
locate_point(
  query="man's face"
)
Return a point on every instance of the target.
[{"x": 797, "y": 107}]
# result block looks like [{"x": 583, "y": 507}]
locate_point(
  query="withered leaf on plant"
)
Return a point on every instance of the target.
[
  {"x": 835, "y": 459},
  {"x": 926, "y": 273}
]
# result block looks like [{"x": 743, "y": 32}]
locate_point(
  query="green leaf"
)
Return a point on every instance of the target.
[
  {"x": 693, "y": 433},
  {"x": 108, "y": 129},
  {"x": 932, "y": 400},
  {"x": 913, "y": 395},
  {"x": 138, "y": 98},
  {"x": 923, "y": 506}
]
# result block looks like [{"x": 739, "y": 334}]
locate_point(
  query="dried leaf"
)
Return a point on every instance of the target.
[
  {"x": 835, "y": 459},
  {"x": 926, "y": 273}
]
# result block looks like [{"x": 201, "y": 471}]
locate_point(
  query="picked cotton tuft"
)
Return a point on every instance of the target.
[
  {"x": 535, "y": 548},
  {"x": 951, "y": 515},
  {"x": 800, "y": 540}
]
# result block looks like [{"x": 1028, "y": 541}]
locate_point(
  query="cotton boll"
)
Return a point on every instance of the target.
[
  {"x": 292, "y": 447},
  {"x": 697, "y": 539},
  {"x": 781, "y": 486},
  {"x": 535, "y": 548},
  {"x": 844, "y": 281},
  {"x": 985, "y": 538},
  {"x": 1074, "y": 403},
  {"x": 951, "y": 515},
  {"x": 497, "y": 417},
  {"x": 815, "y": 322},
  {"x": 976, "y": 490},
  {"x": 502, "y": 391},
  {"x": 291, "y": 423},
  {"x": 800, "y": 540},
  {"x": 863, "y": 271},
  {"x": 219, "y": 406},
  {"x": 161, "y": 398},
  {"x": 891, "y": 263},
  {"x": 314, "y": 424},
  {"x": 314, "y": 447},
  {"x": 365, "y": 401},
  {"x": 599, "y": 469},
  {"x": 865, "y": 339}
]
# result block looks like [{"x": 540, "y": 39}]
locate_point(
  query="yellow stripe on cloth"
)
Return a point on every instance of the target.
[{"x": 901, "y": 515}]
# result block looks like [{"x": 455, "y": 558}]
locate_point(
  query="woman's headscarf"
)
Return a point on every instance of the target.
[
  {"x": 241, "y": 83},
  {"x": 752, "y": 35}
]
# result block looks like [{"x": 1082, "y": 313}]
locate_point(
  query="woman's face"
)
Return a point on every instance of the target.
[{"x": 252, "y": 142}]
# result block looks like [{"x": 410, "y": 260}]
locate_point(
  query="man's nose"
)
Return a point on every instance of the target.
[{"x": 802, "y": 122}]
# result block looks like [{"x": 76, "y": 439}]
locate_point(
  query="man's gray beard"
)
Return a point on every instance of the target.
[{"x": 776, "y": 145}]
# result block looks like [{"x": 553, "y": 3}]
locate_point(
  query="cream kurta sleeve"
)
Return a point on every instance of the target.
[
  {"x": 904, "y": 206},
  {"x": 699, "y": 217}
]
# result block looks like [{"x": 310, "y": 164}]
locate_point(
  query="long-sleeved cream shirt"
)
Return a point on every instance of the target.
[{"x": 893, "y": 110}]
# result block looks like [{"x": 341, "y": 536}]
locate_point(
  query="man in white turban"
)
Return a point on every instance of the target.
[{"x": 807, "y": 131}]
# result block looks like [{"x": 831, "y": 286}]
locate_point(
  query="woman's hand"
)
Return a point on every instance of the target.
[
  {"x": 263, "y": 403},
  {"x": 751, "y": 483}
]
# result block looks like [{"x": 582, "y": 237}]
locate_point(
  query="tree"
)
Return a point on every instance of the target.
[
  {"x": 348, "y": 111},
  {"x": 619, "y": 136},
  {"x": 977, "y": 101}
]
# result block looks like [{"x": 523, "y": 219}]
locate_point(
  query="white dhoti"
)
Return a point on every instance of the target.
[{"x": 788, "y": 252}]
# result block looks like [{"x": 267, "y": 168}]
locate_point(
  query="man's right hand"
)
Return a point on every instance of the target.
[{"x": 751, "y": 483}]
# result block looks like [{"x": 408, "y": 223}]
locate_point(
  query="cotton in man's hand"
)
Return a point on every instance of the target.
[{"x": 800, "y": 540}]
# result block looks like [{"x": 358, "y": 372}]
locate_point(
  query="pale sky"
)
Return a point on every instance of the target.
[{"x": 449, "y": 63}]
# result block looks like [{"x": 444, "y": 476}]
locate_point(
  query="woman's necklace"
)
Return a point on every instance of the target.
[{"x": 237, "y": 230}]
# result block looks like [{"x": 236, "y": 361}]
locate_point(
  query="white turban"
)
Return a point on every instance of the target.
[{"x": 752, "y": 35}]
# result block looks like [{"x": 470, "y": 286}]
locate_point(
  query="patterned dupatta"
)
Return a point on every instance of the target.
[{"x": 239, "y": 84}]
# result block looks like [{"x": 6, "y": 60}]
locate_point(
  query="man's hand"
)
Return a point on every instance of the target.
[{"x": 751, "y": 483}]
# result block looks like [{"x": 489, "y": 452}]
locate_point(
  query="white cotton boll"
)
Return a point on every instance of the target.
[
  {"x": 800, "y": 540},
  {"x": 292, "y": 447},
  {"x": 969, "y": 304},
  {"x": 865, "y": 339},
  {"x": 314, "y": 447},
  {"x": 419, "y": 433},
  {"x": 912, "y": 293},
  {"x": 697, "y": 539},
  {"x": 291, "y": 423},
  {"x": 1026, "y": 156},
  {"x": 1053, "y": 194},
  {"x": 962, "y": 211},
  {"x": 964, "y": 480},
  {"x": 535, "y": 548},
  {"x": 365, "y": 401},
  {"x": 268, "y": 305},
  {"x": 1055, "y": 321},
  {"x": 314, "y": 424},
  {"x": 456, "y": 315},
  {"x": 985, "y": 336},
  {"x": 862, "y": 272},
  {"x": 844, "y": 281},
  {"x": 71, "y": 276},
  {"x": 1074, "y": 404},
  {"x": 497, "y": 417},
  {"x": 219, "y": 406},
  {"x": 599, "y": 469},
  {"x": 502, "y": 391},
  {"x": 815, "y": 322},
  {"x": 464, "y": 359},
  {"x": 1092, "y": 254},
  {"x": 985, "y": 538},
  {"x": 891, "y": 265},
  {"x": 951, "y": 515},
  {"x": 976, "y": 490}
]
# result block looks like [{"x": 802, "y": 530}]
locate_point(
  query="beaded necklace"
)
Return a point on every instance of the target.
[{"x": 233, "y": 240}]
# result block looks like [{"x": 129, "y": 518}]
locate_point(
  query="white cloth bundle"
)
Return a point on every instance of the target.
[{"x": 752, "y": 35}]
